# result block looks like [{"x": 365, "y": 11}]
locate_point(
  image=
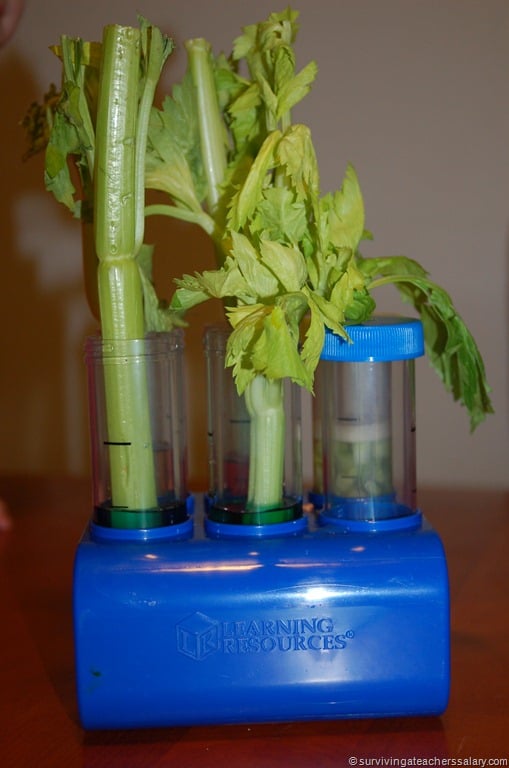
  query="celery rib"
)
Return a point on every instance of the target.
[
  {"x": 265, "y": 405},
  {"x": 117, "y": 233},
  {"x": 212, "y": 135}
]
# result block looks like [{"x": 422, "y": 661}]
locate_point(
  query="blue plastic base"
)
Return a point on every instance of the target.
[{"x": 321, "y": 624}]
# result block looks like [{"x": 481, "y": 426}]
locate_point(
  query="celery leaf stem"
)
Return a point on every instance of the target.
[{"x": 202, "y": 219}]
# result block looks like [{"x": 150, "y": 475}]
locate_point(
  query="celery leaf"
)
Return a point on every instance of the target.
[
  {"x": 286, "y": 263},
  {"x": 174, "y": 163},
  {"x": 450, "y": 346}
]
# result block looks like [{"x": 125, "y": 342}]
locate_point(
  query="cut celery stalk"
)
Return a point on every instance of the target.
[
  {"x": 265, "y": 405},
  {"x": 118, "y": 235}
]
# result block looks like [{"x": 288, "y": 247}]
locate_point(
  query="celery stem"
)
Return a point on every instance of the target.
[
  {"x": 202, "y": 219},
  {"x": 264, "y": 401},
  {"x": 212, "y": 132},
  {"x": 117, "y": 234}
]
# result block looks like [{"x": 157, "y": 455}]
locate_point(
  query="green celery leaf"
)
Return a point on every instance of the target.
[
  {"x": 346, "y": 214},
  {"x": 263, "y": 342},
  {"x": 313, "y": 340},
  {"x": 57, "y": 176},
  {"x": 361, "y": 307},
  {"x": 262, "y": 283},
  {"x": 173, "y": 162},
  {"x": 174, "y": 177},
  {"x": 267, "y": 49},
  {"x": 296, "y": 155},
  {"x": 259, "y": 42},
  {"x": 296, "y": 89},
  {"x": 277, "y": 356},
  {"x": 279, "y": 216},
  {"x": 243, "y": 114},
  {"x": 185, "y": 298},
  {"x": 327, "y": 312},
  {"x": 247, "y": 323},
  {"x": 270, "y": 104},
  {"x": 450, "y": 346},
  {"x": 390, "y": 265},
  {"x": 72, "y": 139},
  {"x": 251, "y": 193},
  {"x": 220, "y": 283},
  {"x": 344, "y": 288},
  {"x": 247, "y": 315},
  {"x": 286, "y": 263},
  {"x": 283, "y": 68}
]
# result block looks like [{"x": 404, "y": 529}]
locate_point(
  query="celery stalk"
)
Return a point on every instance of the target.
[
  {"x": 98, "y": 125},
  {"x": 117, "y": 240},
  {"x": 264, "y": 400},
  {"x": 263, "y": 397},
  {"x": 212, "y": 132}
]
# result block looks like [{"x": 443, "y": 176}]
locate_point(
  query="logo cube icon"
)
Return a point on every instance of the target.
[{"x": 197, "y": 636}]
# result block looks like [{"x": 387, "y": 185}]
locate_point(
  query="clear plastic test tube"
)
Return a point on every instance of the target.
[{"x": 366, "y": 411}]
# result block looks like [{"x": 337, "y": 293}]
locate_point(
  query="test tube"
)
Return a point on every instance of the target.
[
  {"x": 227, "y": 423},
  {"x": 229, "y": 445},
  {"x": 366, "y": 411},
  {"x": 139, "y": 462}
]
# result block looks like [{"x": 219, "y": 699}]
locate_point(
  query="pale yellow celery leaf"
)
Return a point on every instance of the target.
[
  {"x": 276, "y": 354},
  {"x": 247, "y": 327},
  {"x": 175, "y": 179},
  {"x": 313, "y": 340},
  {"x": 284, "y": 68},
  {"x": 262, "y": 283},
  {"x": 245, "y": 201},
  {"x": 251, "y": 313},
  {"x": 342, "y": 293},
  {"x": 287, "y": 263},
  {"x": 217, "y": 283},
  {"x": 346, "y": 214},
  {"x": 244, "y": 116},
  {"x": 270, "y": 103},
  {"x": 244, "y": 335},
  {"x": 280, "y": 216},
  {"x": 327, "y": 312},
  {"x": 90, "y": 53},
  {"x": 184, "y": 299},
  {"x": 296, "y": 89},
  {"x": 296, "y": 154}
]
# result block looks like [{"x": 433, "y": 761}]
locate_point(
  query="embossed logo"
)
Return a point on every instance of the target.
[{"x": 198, "y": 636}]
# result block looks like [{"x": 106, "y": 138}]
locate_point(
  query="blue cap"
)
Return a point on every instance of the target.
[{"x": 380, "y": 339}]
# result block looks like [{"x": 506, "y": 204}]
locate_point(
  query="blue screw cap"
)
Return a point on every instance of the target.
[{"x": 380, "y": 339}]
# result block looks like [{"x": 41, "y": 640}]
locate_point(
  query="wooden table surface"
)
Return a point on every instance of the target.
[{"x": 38, "y": 720}]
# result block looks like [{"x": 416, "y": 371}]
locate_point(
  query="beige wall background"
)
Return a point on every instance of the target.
[{"x": 413, "y": 92}]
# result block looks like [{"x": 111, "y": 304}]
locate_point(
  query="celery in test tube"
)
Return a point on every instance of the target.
[
  {"x": 119, "y": 223},
  {"x": 285, "y": 251}
]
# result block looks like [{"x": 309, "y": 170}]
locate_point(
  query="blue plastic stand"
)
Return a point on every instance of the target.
[
  {"x": 175, "y": 627},
  {"x": 183, "y": 627}
]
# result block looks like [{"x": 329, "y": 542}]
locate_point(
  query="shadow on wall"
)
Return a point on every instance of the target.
[
  {"x": 43, "y": 314},
  {"x": 31, "y": 318},
  {"x": 507, "y": 317}
]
